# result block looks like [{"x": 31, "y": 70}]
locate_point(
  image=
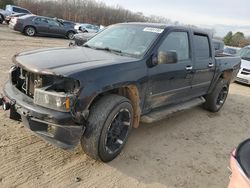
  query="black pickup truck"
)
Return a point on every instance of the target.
[{"x": 127, "y": 73}]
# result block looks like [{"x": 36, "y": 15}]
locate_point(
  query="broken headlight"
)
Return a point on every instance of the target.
[{"x": 59, "y": 96}]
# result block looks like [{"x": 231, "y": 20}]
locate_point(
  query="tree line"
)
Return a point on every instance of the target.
[
  {"x": 84, "y": 11},
  {"x": 237, "y": 39}
]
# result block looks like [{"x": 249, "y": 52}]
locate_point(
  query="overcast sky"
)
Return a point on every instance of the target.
[{"x": 223, "y": 15}]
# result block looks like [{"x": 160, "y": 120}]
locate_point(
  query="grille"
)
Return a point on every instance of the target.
[
  {"x": 23, "y": 80},
  {"x": 242, "y": 80},
  {"x": 245, "y": 72}
]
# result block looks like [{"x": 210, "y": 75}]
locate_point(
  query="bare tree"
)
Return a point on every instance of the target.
[{"x": 89, "y": 11}]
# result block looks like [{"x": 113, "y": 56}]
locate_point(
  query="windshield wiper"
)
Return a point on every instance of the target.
[
  {"x": 110, "y": 50},
  {"x": 87, "y": 46}
]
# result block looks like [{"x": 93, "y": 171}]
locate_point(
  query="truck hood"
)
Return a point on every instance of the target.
[
  {"x": 245, "y": 64},
  {"x": 66, "y": 61}
]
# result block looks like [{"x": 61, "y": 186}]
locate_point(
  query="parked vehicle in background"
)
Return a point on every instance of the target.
[
  {"x": 66, "y": 23},
  {"x": 12, "y": 9},
  {"x": 218, "y": 46},
  {"x": 32, "y": 25},
  {"x": 231, "y": 50},
  {"x": 244, "y": 73},
  {"x": 81, "y": 38},
  {"x": 13, "y": 16},
  {"x": 128, "y": 73},
  {"x": 87, "y": 28}
]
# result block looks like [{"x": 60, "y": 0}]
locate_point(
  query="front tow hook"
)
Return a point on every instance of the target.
[
  {"x": 6, "y": 106},
  {"x": 5, "y": 103}
]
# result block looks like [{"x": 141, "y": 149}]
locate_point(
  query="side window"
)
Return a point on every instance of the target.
[
  {"x": 177, "y": 41},
  {"x": 38, "y": 20},
  {"x": 41, "y": 20},
  {"x": 89, "y": 27},
  {"x": 54, "y": 23},
  {"x": 201, "y": 46}
]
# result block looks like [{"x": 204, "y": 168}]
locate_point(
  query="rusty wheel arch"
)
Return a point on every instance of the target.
[{"x": 227, "y": 75}]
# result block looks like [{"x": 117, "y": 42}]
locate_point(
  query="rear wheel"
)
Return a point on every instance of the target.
[
  {"x": 216, "y": 99},
  {"x": 109, "y": 124},
  {"x": 30, "y": 31}
]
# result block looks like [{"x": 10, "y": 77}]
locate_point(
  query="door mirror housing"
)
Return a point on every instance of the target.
[{"x": 168, "y": 57}]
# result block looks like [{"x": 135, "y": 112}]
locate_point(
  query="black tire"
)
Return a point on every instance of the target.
[
  {"x": 70, "y": 35},
  {"x": 1, "y": 19},
  {"x": 30, "y": 31},
  {"x": 100, "y": 139},
  {"x": 216, "y": 99}
]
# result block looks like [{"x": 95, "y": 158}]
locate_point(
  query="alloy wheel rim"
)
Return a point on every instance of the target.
[
  {"x": 118, "y": 131},
  {"x": 30, "y": 31},
  {"x": 222, "y": 96}
]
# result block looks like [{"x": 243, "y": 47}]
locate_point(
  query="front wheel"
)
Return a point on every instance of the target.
[
  {"x": 109, "y": 124},
  {"x": 70, "y": 35},
  {"x": 216, "y": 99}
]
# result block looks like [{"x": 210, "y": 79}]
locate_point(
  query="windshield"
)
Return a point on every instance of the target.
[
  {"x": 131, "y": 40},
  {"x": 244, "y": 53}
]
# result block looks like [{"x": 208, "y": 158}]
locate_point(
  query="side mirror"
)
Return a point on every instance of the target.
[{"x": 168, "y": 57}]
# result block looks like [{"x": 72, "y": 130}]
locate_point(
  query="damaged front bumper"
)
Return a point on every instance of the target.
[{"x": 56, "y": 127}]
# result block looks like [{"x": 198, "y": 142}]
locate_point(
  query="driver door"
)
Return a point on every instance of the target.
[{"x": 171, "y": 83}]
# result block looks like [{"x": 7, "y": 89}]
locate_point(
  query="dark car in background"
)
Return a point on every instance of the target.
[
  {"x": 32, "y": 25},
  {"x": 66, "y": 23},
  {"x": 81, "y": 38},
  {"x": 231, "y": 50}
]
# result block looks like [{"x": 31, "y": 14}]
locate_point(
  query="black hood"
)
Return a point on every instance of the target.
[{"x": 66, "y": 61}]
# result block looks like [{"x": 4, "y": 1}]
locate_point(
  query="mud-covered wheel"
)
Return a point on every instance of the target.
[
  {"x": 109, "y": 124},
  {"x": 216, "y": 99},
  {"x": 30, "y": 31}
]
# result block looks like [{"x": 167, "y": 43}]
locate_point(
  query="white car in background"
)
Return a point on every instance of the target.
[
  {"x": 244, "y": 73},
  {"x": 87, "y": 28}
]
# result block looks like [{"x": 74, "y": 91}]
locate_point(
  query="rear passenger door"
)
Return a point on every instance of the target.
[
  {"x": 171, "y": 83},
  {"x": 204, "y": 67}
]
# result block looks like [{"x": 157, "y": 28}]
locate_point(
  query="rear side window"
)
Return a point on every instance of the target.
[
  {"x": 20, "y": 10},
  {"x": 177, "y": 41},
  {"x": 201, "y": 46},
  {"x": 41, "y": 20}
]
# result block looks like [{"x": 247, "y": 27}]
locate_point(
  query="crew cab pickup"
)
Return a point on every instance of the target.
[{"x": 128, "y": 73}]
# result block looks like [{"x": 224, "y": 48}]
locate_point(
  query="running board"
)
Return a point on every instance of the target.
[{"x": 162, "y": 113}]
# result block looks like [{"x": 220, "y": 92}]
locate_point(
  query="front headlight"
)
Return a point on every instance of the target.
[{"x": 59, "y": 101}]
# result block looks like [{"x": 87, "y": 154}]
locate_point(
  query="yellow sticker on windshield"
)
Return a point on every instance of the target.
[{"x": 153, "y": 30}]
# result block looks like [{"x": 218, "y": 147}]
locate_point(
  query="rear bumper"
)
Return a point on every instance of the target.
[
  {"x": 16, "y": 26},
  {"x": 58, "y": 128}
]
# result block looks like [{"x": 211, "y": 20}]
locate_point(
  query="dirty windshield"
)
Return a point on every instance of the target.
[{"x": 132, "y": 40}]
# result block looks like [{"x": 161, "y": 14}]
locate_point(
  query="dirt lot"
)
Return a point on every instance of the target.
[{"x": 190, "y": 149}]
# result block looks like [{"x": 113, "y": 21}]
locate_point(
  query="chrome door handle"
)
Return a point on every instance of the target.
[
  {"x": 189, "y": 68},
  {"x": 210, "y": 65}
]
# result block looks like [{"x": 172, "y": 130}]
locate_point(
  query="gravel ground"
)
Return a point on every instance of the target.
[{"x": 190, "y": 149}]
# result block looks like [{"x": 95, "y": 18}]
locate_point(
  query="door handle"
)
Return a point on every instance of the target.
[
  {"x": 189, "y": 68},
  {"x": 210, "y": 65}
]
